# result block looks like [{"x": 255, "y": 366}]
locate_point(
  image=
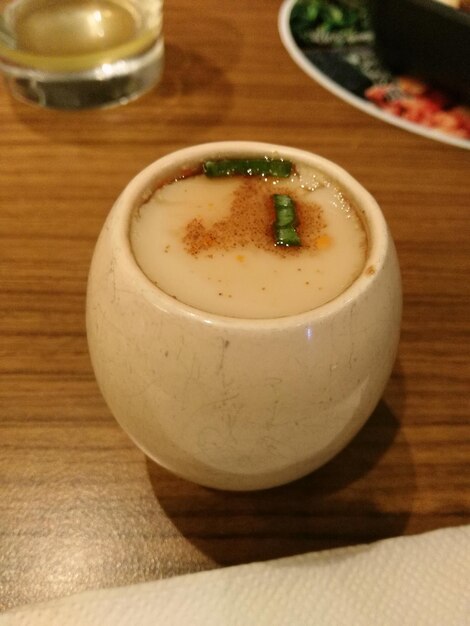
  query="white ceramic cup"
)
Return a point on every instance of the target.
[{"x": 232, "y": 403}]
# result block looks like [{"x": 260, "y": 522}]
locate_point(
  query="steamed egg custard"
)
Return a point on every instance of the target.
[{"x": 250, "y": 242}]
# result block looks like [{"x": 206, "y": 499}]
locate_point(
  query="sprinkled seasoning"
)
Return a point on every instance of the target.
[{"x": 249, "y": 223}]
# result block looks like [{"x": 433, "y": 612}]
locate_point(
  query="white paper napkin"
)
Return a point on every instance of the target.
[{"x": 420, "y": 580}]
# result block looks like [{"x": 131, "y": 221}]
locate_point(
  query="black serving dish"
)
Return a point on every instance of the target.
[{"x": 424, "y": 38}]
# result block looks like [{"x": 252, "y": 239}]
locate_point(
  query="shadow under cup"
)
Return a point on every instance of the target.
[{"x": 230, "y": 403}]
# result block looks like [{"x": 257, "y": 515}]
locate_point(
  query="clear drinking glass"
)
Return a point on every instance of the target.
[{"x": 74, "y": 54}]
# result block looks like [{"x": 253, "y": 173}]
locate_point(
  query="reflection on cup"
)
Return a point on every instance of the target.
[
  {"x": 75, "y": 54},
  {"x": 237, "y": 391}
]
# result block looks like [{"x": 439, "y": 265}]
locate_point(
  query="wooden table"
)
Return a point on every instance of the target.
[{"x": 80, "y": 505}]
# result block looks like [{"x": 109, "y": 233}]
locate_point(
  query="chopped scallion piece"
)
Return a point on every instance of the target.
[
  {"x": 286, "y": 220},
  {"x": 278, "y": 168}
]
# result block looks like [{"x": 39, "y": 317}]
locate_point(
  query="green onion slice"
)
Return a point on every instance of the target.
[
  {"x": 278, "y": 168},
  {"x": 286, "y": 221}
]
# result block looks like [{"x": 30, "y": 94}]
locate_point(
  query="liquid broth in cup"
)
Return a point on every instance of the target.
[
  {"x": 260, "y": 388},
  {"x": 210, "y": 241}
]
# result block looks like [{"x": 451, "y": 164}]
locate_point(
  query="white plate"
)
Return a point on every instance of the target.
[{"x": 334, "y": 87}]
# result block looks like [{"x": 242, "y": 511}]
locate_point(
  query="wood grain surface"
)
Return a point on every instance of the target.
[{"x": 80, "y": 505}]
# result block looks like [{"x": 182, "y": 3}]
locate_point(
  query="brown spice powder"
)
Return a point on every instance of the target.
[{"x": 250, "y": 222}]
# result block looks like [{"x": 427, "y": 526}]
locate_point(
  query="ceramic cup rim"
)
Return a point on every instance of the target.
[{"x": 142, "y": 185}]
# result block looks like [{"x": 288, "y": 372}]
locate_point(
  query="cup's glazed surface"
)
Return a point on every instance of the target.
[{"x": 236, "y": 403}]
